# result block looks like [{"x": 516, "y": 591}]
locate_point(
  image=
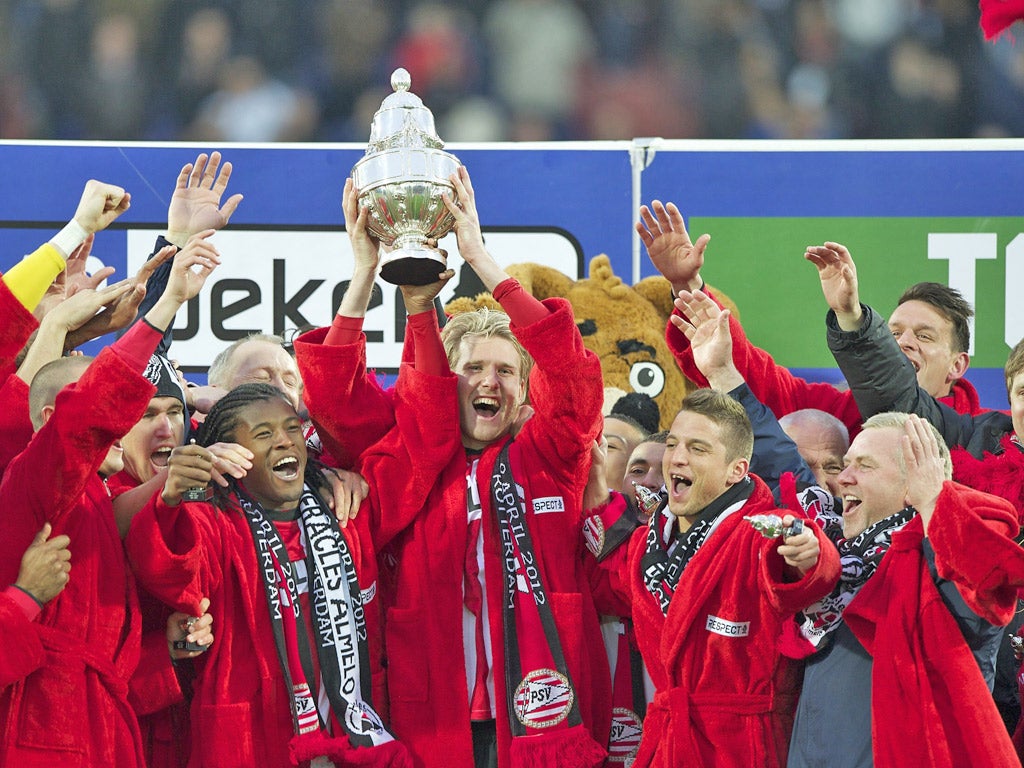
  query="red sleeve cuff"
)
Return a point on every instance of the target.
[
  {"x": 344, "y": 330},
  {"x": 522, "y": 308},
  {"x": 138, "y": 345},
  {"x": 28, "y": 604},
  {"x": 430, "y": 356}
]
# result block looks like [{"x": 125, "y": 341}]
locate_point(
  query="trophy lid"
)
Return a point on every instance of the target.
[{"x": 402, "y": 120}]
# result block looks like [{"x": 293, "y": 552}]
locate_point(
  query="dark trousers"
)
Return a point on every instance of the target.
[{"x": 485, "y": 743}]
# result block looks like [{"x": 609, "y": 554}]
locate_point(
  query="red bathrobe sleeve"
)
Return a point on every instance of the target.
[
  {"x": 972, "y": 534},
  {"x": 16, "y": 325},
  {"x": 154, "y": 685},
  {"x": 403, "y": 467},
  {"x": 566, "y": 392},
  {"x": 15, "y": 422},
  {"x": 350, "y": 409},
  {"x": 23, "y": 650},
  {"x": 47, "y": 479},
  {"x": 793, "y": 596},
  {"x": 770, "y": 382},
  {"x": 167, "y": 548}
]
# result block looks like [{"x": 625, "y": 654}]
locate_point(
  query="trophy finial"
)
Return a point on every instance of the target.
[
  {"x": 401, "y": 80},
  {"x": 402, "y": 179}
]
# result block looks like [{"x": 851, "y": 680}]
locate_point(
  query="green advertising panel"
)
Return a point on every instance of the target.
[{"x": 759, "y": 263}]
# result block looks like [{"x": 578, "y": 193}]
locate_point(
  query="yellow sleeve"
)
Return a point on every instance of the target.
[{"x": 30, "y": 277}]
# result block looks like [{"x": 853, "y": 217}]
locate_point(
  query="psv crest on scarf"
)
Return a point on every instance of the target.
[
  {"x": 543, "y": 699},
  {"x": 627, "y": 728}
]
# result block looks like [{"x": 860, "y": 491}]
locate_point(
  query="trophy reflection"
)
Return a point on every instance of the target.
[{"x": 400, "y": 180}]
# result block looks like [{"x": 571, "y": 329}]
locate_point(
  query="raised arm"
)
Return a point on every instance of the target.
[
  {"x": 70, "y": 315},
  {"x": 880, "y": 376},
  {"x": 706, "y": 327},
  {"x": 349, "y": 408},
  {"x": 118, "y": 314},
  {"x": 195, "y": 207},
  {"x": 365, "y": 253},
  {"x": 196, "y": 201},
  {"x": 470, "y": 236},
  {"x": 37, "y": 282},
  {"x": 663, "y": 232},
  {"x": 680, "y": 261}
]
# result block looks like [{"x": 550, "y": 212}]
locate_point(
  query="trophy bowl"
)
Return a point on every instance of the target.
[{"x": 400, "y": 180}]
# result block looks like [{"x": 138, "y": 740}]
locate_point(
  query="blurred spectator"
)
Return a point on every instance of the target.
[
  {"x": 113, "y": 88},
  {"x": 654, "y": 97},
  {"x": 921, "y": 92},
  {"x": 477, "y": 118},
  {"x": 352, "y": 36},
  {"x": 206, "y": 44},
  {"x": 1001, "y": 90},
  {"x": 871, "y": 24},
  {"x": 251, "y": 106},
  {"x": 51, "y": 39},
  {"x": 537, "y": 49},
  {"x": 439, "y": 49},
  {"x": 22, "y": 113},
  {"x": 494, "y": 70},
  {"x": 627, "y": 30}
]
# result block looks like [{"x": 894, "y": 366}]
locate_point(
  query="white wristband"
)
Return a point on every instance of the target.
[{"x": 69, "y": 238}]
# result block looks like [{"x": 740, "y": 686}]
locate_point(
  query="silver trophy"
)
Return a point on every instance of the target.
[{"x": 400, "y": 180}]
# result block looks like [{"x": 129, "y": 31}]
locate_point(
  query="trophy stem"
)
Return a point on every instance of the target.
[{"x": 414, "y": 263}]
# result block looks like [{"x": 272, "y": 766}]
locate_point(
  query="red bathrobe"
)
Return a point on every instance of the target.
[
  {"x": 417, "y": 476},
  {"x": 1000, "y": 474},
  {"x": 348, "y": 407},
  {"x": 929, "y": 702},
  {"x": 23, "y": 649},
  {"x": 16, "y": 325},
  {"x": 783, "y": 392},
  {"x": 725, "y": 695},
  {"x": 73, "y": 710},
  {"x": 240, "y": 706}
]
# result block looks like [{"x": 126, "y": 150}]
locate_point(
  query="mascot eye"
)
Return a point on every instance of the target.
[{"x": 647, "y": 378}]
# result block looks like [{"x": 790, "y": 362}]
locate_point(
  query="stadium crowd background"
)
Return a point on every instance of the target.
[{"x": 508, "y": 70}]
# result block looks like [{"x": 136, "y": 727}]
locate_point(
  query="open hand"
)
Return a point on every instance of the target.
[
  {"x": 663, "y": 233},
  {"x": 195, "y": 205}
]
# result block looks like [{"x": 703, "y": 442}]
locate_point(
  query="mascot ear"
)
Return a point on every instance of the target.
[{"x": 658, "y": 291}]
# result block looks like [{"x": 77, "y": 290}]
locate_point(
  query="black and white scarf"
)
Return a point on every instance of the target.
[
  {"x": 859, "y": 558},
  {"x": 544, "y": 710},
  {"x": 668, "y": 552},
  {"x": 338, "y": 622}
]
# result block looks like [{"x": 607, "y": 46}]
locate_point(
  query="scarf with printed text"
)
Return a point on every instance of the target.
[
  {"x": 543, "y": 703},
  {"x": 859, "y": 558},
  {"x": 339, "y": 630},
  {"x": 668, "y": 552}
]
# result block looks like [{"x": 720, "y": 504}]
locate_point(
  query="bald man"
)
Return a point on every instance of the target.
[{"x": 822, "y": 441}]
